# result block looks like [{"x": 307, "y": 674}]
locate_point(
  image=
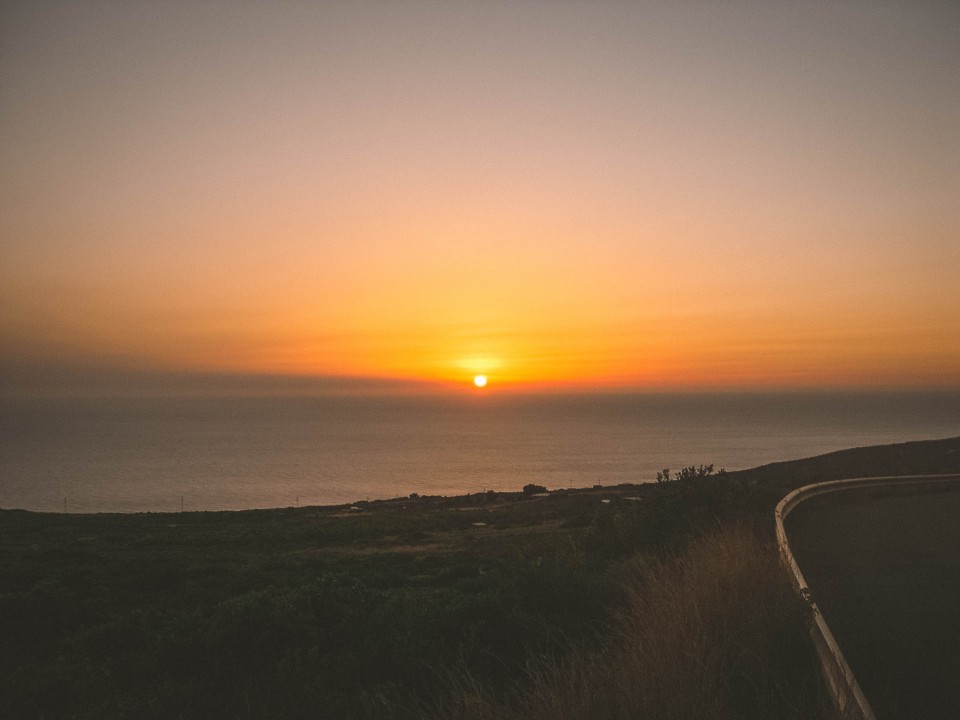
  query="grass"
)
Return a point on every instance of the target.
[
  {"x": 315, "y": 612},
  {"x": 714, "y": 631},
  {"x": 663, "y": 599}
]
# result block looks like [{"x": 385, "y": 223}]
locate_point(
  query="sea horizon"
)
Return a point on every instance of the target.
[{"x": 222, "y": 452}]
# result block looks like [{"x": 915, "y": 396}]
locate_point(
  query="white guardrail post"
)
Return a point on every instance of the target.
[{"x": 846, "y": 694}]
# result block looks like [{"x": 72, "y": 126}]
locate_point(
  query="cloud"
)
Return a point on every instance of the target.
[{"x": 19, "y": 378}]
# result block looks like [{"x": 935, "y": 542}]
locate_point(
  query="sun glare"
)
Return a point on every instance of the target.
[{"x": 480, "y": 381}]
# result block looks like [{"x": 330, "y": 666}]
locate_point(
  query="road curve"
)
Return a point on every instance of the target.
[{"x": 847, "y": 693}]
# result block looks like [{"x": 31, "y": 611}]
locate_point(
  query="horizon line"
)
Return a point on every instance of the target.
[{"x": 52, "y": 380}]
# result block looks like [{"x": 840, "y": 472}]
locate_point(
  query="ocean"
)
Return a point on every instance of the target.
[{"x": 231, "y": 453}]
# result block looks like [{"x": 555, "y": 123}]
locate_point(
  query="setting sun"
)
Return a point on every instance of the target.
[
  {"x": 420, "y": 297},
  {"x": 200, "y": 237}
]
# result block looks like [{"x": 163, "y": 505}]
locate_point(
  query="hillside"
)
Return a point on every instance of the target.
[{"x": 470, "y": 606}]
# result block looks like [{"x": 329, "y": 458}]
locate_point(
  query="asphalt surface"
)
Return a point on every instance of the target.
[{"x": 885, "y": 572}]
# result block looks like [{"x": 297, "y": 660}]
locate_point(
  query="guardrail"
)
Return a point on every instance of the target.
[{"x": 846, "y": 694}]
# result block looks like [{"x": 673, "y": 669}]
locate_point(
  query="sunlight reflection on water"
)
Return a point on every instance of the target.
[{"x": 231, "y": 453}]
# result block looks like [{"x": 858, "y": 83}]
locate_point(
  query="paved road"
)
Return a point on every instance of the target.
[{"x": 886, "y": 574}]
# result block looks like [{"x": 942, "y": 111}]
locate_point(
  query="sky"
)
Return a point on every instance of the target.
[{"x": 563, "y": 195}]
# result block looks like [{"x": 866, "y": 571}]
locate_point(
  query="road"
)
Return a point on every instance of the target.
[{"x": 885, "y": 572}]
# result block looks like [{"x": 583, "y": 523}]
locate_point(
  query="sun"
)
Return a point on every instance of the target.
[{"x": 480, "y": 380}]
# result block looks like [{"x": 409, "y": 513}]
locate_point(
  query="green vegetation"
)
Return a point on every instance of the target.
[
  {"x": 273, "y": 613},
  {"x": 488, "y": 605}
]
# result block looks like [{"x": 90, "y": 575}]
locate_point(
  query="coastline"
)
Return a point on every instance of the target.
[{"x": 330, "y": 607}]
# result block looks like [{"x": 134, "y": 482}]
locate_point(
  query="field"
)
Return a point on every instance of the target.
[{"x": 602, "y": 602}]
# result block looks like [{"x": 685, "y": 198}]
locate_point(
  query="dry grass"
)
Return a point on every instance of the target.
[{"x": 714, "y": 632}]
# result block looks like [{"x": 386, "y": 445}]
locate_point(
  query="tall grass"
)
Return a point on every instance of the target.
[{"x": 713, "y": 632}]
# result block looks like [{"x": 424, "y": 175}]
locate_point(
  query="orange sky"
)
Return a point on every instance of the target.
[{"x": 579, "y": 195}]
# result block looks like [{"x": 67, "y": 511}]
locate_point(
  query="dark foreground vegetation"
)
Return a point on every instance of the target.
[{"x": 661, "y": 600}]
